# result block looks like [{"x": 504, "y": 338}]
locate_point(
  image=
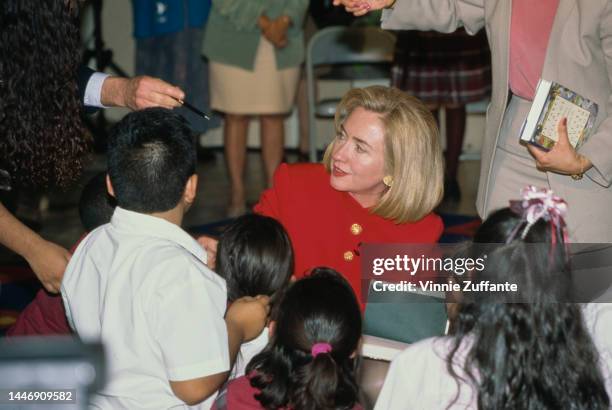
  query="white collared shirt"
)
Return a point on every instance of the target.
[{"x": 140, "y": 285}]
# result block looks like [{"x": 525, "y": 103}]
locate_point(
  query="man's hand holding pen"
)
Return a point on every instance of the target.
[{"x": 140, "y": 92}]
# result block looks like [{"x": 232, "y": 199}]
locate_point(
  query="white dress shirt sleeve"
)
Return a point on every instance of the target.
[
  {"x": 190, "y": 328},
  {"x": 93, "y": 90}
]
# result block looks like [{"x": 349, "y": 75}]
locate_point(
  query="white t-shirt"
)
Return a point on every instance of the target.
[
  {"x": 139, "y": 284},
  {"x": 247, "y": 351},
  {"x": 419, "y": 379}
]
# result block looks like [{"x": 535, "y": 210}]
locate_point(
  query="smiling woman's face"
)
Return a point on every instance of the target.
[{"x": 357, "y": 159}]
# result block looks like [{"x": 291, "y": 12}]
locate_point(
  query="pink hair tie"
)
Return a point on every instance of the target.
[
  {"x": 536, "y": 204},
  {"x": 319, "y": 348}
]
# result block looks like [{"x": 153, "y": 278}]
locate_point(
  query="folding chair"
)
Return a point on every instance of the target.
[{"x": 342, "y": 46}]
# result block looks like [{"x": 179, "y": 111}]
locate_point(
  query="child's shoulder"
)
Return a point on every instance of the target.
[
  {"x": 426, "y": 352},
  {"x": 238, "y": 394},
  {"x": 166, "y": 256},
  {"x": 88, "y": 241}
]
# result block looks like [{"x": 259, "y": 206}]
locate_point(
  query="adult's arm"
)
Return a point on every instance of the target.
[
  {"x": 138, "y": 93},
  {"x": 100, "y": 90},
  {"x": 440, "y": 15},
  {"x": 290, "y": 18},
  {"x": 598, "y": 148},
  {"x": 47, "y": 260}
]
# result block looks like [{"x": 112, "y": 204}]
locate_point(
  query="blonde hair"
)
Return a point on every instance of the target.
[{"x": 413, "y": 156}]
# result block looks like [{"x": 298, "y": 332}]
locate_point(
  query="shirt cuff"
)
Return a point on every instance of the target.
[{"x": 93, "y": 90}]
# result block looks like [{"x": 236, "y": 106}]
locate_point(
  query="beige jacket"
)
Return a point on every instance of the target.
[{"x": 579, "y": 56}]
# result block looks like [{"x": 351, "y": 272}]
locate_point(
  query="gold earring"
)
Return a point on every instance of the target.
[{"x": 388, "y": 180}]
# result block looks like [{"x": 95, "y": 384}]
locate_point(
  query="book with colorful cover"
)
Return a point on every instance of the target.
[{"x": 553, "y": 102}]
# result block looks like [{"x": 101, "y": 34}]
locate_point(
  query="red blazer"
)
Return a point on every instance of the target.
[{"x": 327, "y": 226}]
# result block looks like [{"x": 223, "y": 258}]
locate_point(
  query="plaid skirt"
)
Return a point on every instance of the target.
[{"x": 443, "y": 69}]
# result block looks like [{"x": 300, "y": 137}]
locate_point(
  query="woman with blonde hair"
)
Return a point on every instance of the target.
[{"x": 381, "y": 178}]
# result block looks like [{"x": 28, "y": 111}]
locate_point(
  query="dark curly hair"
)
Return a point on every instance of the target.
[
  {"x": 320, "y": 308},
  {"x": 536, "y": 355},
  {"x": 42, "y": 139}
]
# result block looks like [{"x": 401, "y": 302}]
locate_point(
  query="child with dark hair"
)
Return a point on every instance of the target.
[
  {"x": 140, "y": 284},
  {"x": 254, "y": 257},
  {"x": 96, "y": 206},
  {"x": 45, "y": 315},
  {"x": 528, "y": 349},
  {"x": 309, "y": 363}
]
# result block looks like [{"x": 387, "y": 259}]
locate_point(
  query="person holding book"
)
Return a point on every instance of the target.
[{"x": 565, "y": 41}]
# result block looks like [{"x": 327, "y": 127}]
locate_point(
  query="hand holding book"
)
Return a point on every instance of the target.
[
  {"x": 562, "y": 158},
  {"x": 551, "y": 103},
  {"x": 362, "y": 7}
]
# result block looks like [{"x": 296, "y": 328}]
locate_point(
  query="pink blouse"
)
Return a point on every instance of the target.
[{"x": 530, "y": 29}]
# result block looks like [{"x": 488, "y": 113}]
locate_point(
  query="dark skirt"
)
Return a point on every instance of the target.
[{"x": 443, "y": 69}]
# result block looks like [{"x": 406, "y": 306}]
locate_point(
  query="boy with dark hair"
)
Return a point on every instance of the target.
[
  {"x": 96, "y": 206},
  {"x": 140, "y": 283}
]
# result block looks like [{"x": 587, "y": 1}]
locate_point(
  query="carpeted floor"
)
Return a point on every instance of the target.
[{"x": 18, "y": 284}]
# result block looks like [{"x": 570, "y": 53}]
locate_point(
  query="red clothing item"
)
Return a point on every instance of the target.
[
  {"x": 45, "y": 315},
  {"x": 240, "y": 395},
  {"x": 327, "y": 226}
]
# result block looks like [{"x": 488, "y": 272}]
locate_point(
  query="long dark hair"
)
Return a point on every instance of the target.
[
  {"x": 320, "y": 308},
  {"x": 536, "y": 355},
  {"x": 255, "y": 257},
  {"x": 42, "y": 139}
]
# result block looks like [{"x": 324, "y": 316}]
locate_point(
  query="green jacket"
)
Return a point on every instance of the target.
[{"x": 232, "y": 35}]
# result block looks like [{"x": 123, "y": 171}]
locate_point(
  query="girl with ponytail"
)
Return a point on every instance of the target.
[
  {"x": 529, "y": 349},
  {"x": 309, "y": 363}
]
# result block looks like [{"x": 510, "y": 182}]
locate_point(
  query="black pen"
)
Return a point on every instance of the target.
[{"x": 194, "y": 109}]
